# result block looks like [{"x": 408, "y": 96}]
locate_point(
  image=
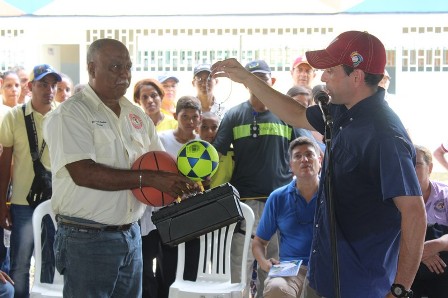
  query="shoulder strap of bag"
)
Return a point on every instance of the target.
[{"x": 32, "y": 136}]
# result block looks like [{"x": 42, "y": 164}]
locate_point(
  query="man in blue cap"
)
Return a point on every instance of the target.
[{"x": 17, "y": 153}]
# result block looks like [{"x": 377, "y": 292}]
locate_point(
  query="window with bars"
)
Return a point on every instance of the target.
[
  {"x": 12, "y": 49},
  {"x": 425, "y": 60},
  {"x": 426, "y": 55},
  {"x": 182, "y": 49}
]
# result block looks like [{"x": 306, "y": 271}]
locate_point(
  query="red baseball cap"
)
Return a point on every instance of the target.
[
  {"x": 356, "y": 49},
  {"x": 300, "y": 60}
]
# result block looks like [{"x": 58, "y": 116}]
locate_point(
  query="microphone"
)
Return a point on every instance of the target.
[
  {"x": 322, "y": 99},
  {"x": 320, "y": 95}
]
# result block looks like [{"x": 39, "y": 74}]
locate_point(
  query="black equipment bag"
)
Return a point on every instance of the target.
[{"x": 197, "y": 215}]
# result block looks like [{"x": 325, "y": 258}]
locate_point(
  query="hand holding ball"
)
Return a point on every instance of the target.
[
  {"x": 197, "y": 160},
  {"x": 156, "y": 161}
]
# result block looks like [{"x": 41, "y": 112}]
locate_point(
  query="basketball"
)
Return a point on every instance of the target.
[
  {"x": 157, "y": 161},
  {"x": 197, "y": 160}
]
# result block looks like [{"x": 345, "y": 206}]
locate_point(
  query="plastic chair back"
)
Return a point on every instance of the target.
[
  {"x": 43, "y": 289},
  {"x": 214, "y": 276}
]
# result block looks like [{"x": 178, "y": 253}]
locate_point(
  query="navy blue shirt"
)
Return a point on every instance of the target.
[{"x": 373, "y": 162}]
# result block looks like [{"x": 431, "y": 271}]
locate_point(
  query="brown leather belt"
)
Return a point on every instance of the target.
[{"x": 92, "y": 227}]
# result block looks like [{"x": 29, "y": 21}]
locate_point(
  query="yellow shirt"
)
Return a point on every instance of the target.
[
  {"x": 225, "y": 170},
  {"x": 4, "y": 109},
  {"x": 167, "y": 123},
  {"x": 13, "y": 134}
]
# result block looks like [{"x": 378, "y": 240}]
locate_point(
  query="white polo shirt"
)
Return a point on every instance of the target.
[{"x": 83, "y": 127}]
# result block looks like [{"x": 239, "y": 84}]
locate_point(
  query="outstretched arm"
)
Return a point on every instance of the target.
[
  {"x": 90, "y": 174},
  {"x": 281, "y": 105}
]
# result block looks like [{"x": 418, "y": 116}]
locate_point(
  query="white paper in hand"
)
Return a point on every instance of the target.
[{"x": 285, "y": 268}]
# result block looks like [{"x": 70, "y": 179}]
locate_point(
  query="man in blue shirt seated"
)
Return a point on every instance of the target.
[{"x": 290, "y": 211}]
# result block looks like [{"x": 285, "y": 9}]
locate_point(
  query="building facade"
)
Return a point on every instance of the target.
[{"x": 416, "y": 44}]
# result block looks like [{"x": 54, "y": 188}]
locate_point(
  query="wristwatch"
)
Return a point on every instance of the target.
[{"x": 400, "y": 291}]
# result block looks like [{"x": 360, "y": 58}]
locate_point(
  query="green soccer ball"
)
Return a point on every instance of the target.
[{"x": 197, "y": 160}]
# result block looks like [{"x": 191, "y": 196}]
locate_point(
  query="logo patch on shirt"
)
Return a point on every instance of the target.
[
  {"x": 99, "y": 122},
  {"x": 439, "y": 206},
  {"x": 136, "y": 121},
  {"x": 356, "y": 58}
]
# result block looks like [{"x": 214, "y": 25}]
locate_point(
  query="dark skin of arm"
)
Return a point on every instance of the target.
[{"x": 88, "y": 173}]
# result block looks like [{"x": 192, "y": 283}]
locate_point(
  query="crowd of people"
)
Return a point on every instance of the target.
[{"x": 337, "y": 184}]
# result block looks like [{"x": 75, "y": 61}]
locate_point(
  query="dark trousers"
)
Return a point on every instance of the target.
[
  {"x": 167, "y": 265},
  {"x": 431, "y": 285},
  {"x": 150, "y": 251}
]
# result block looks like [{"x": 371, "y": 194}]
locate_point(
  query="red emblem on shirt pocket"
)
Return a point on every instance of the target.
[{"x": 136, "y": 121}]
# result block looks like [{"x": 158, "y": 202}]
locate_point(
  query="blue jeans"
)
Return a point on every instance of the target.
[
  {"x": 22, "y": 246},
  {"x": 6, "y": 290},
  {"x": 99, "y": 264}
]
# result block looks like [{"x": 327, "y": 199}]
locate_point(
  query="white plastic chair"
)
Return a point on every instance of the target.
[
  {"x": 43, "y": 289},
  {"x": 214, "y": 278}
]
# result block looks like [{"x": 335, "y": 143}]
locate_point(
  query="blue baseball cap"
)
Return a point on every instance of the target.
[
  {"x": 259, "y": 66},
  {"x": 42, "y": 70}
]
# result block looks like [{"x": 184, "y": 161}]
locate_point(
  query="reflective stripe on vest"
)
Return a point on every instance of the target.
[{"x": 266, "y": 129}]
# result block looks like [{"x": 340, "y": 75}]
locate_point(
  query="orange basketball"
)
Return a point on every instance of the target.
[{"x": 159, "y": 161}]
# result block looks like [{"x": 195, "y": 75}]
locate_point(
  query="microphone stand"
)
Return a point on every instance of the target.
[{"x": 329, "y": 197}]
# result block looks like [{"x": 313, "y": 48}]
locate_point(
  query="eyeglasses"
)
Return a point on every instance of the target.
[{"x": 202, "y": 79}]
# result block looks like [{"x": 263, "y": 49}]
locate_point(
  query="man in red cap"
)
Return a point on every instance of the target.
[
  {"x": 379, "y": 212},
  {"x": 302, "y": 72}
]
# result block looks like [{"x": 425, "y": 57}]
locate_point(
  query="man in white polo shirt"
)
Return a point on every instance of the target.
[{"x": 94, "y": 138}]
